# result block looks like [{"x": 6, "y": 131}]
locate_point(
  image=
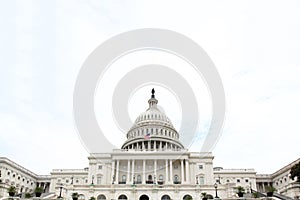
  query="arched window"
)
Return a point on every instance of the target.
[
  {"x": 166, "y": 197},
  {"x": 150, "y": 177},
  {"x": 81, "y": 197},
  {"x": 101, "y": 196},
  {"x": 122, "y": 197},
  {"x": 187, "y": 197},
  {"x": 144, "y": 197}
]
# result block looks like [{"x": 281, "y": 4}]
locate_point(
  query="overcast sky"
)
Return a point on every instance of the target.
[{"x": 255, "y": 46}]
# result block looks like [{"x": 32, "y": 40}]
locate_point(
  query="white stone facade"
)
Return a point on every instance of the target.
[
  {"x": 12, "y": 174},
  {"x": 151, "y": 164}
]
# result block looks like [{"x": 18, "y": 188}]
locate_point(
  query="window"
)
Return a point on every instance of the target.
[
  {"x": 201, "y": 180},
  {"x": 14, "y": 175},
  {"x": 246, "y": 180},
  {"x": 200, "y": 166},
  {"x": 101, "y": 196},
  {"x": 8, "y": 173},
  {"x": 165, "y": 197},
  {"x": 228, "y": 180},
  {"x": 124, "y": 178},
  {"x": 187, "y": 197},
  {"x": 176, "y": 178},
  {"x": 77, "y": 181},
  {"x": 67, "y": 181},
  {"x": 238, "y": 180},
  {"x": 122, "y": 197},
  {"x": 81, "y": 197},
  {"x": 100, "y": 167},
  {"x": 161, "y": 177},
  {"x": 139, "y": 179},
  {"x": 59, "y": 180},
  {"x": 175, "y": 166},
  {"x": 99, "y": 178}
]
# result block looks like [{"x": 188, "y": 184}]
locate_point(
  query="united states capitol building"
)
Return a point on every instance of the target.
[{"x": 151, "y": 164}]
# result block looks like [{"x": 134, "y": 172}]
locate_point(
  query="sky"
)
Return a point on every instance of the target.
[{"x": 255, "y": 46}]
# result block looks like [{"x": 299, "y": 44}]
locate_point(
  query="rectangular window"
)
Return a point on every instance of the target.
[
  {"x": 100, "y": 167},
  {"x": 238, "y": 180},
  {"x": 201, "y": 180},
  {"x": 99, "y": 180},
  {"x": 200, "y": 166}
]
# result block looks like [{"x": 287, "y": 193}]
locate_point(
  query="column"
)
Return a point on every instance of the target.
[
  {"x": 149, "y": 145},
  {"x": 154, "y": 146},
  {"x": 144, "y": 169},
  {"x": 187, "y": 171},
  {"x": 166, "y": 177},
  {"x": 128, "y": 172},
  {"x": 113, "y": 171},
  {"x": 171, "y": 171},
  {"x": 132, "y": 173},
  {"x": 160, "y": 145},
  {"x": 117, "y": 172},
  {"x": 155, "y": 169},
  {"x": 182, "y": 172},
  {"x": 143, "y": 145}
]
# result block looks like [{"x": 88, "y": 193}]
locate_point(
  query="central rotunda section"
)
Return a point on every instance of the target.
[{"x": 152, "y": 131}]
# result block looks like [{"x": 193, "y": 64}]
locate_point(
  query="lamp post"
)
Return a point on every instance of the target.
[
  {"x": 216, "y": 188},
  {"x": 93, "y": 179},
  {"x": 60, "y": 190}
]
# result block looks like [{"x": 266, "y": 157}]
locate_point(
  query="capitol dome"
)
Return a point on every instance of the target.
[{"x": 152, "y": 131}]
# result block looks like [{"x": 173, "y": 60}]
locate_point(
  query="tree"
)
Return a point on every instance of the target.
[
  {"x": 295, "y": 172},
  {"x": 27, "y": 195},
  {"x": 12, "y": 191},
  {"x": 38, "y": 191}
]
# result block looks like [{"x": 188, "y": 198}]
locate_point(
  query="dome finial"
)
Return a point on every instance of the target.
[
  {"x": 152, "y": 101},
  {"x": 153, "y": 92}
]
